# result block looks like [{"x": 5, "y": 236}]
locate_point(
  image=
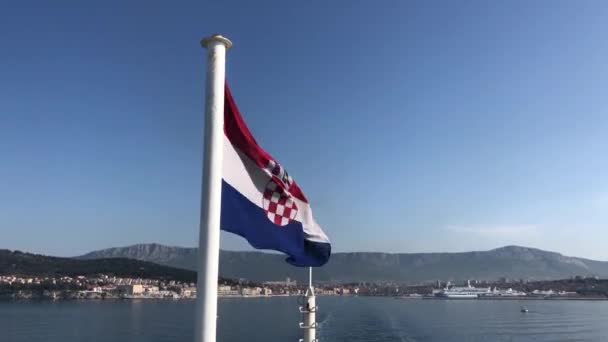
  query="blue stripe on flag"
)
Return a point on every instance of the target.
[{"x": 241, "y": 217}]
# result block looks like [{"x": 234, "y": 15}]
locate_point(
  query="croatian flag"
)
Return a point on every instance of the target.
[{"x": 260, "y": 200}]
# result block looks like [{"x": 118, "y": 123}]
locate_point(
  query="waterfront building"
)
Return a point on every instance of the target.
[
  {"x": 288, "y": 282},
  {"x": 226, "y": 290},
  {"x": 131, "y": 290},
  {"x": 188, "y": 292},
  {"x": 251, "y": 291}
]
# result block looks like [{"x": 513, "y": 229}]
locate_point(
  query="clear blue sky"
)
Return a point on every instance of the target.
[{"x": 410, "y": 126}]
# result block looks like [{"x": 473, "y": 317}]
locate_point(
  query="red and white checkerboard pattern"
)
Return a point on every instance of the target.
[{"x": 280, "y": 208}]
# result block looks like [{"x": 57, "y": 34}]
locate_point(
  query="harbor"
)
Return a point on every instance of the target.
[{"x": 451, "y": 292}]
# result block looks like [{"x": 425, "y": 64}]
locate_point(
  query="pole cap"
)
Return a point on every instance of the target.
[{"x": 216, "y": 38}]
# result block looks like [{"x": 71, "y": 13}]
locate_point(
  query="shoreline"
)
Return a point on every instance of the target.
[
  {"x": 46, "y": 299},
  {"x": 112, "y": 298}
]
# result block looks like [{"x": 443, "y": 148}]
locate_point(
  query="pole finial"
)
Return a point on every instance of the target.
[{"x": 216, "y": 38}]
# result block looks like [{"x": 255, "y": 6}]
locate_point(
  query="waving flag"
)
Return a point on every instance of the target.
[{"x": 260, "y": 200}]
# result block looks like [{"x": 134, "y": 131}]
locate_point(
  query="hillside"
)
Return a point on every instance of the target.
[
  {"x": 26, "y": 264},
  {"x": 512, "y": 262}
]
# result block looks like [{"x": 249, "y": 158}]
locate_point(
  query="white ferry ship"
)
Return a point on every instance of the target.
[{"x": 465, "y": 292}]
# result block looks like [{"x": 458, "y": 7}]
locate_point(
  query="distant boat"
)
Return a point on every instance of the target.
[{"x": 524, "y": 309}]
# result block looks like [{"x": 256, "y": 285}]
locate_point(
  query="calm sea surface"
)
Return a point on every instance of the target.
[{"x": 276, "y": 319}]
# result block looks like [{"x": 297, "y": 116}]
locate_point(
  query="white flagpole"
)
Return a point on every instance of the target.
[
  {"x": 211, "y": 193},
  {"x": 310, "y": 277},
  {"x": 309, "y": 313}
]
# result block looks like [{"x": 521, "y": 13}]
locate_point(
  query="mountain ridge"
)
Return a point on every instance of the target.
[
  {"x": 514, "y": 262},
  {"x": 30, "y": 264}
]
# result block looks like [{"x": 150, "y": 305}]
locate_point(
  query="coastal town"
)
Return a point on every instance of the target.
[{"x": 105, "y": 286}]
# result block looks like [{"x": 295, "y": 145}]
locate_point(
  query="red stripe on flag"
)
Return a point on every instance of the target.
[{"x": 239, "y": 135}]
